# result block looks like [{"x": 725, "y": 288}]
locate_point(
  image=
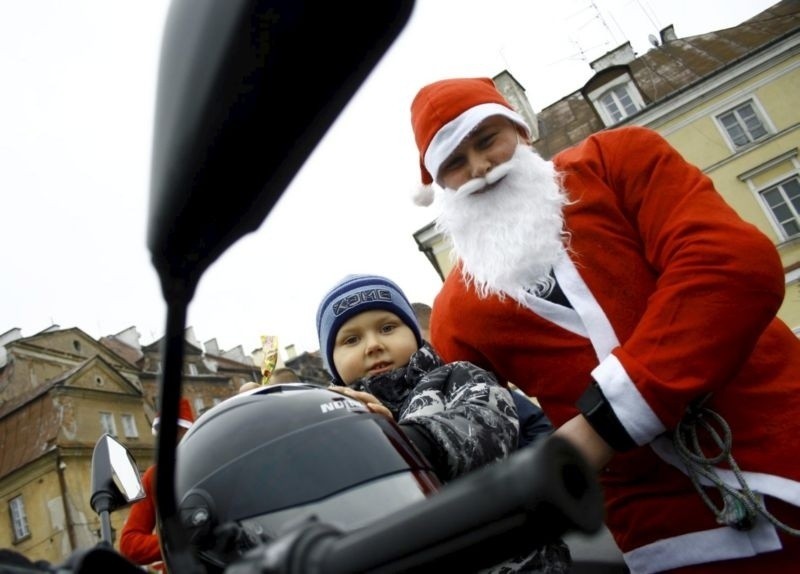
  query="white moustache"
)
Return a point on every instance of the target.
[
  {"x": 479, "y": 184},
  {"x": 508, "y": 239}
]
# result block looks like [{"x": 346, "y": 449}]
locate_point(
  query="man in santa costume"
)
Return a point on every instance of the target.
[
  {"x": 139, "y": 540},
  {"x": 615, "y": 285}
]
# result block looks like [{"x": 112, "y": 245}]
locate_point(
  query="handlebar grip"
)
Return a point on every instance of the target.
[{"x": 474, "y": 522}]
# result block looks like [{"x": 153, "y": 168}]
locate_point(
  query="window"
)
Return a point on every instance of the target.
[
  {"x": 618, "y": 103},
  {"x": 192, "y": 369},
  {"x": 107, "y": 424},
  {"x": 783, "y": 200},
  {"x": 616, "y": 100},
  {"x": 129, "y": 426},
  {"x": 199, "y": 407},
  {"x": 743, "y": 124},
  {"x": 19, "y": 519}
]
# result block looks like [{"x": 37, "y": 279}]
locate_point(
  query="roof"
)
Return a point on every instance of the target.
[
  {"x": 28, "y": 433},
  {"x": 665, "y": 71},
  {"x": 31, "y": 421}
]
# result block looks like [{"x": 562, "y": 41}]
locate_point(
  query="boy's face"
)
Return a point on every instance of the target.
[{"x": 371, "y": 343}]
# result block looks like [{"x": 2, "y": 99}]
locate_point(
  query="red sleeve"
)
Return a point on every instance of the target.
[
  {"x": 138, "y": 541},
  {"x": 716, "y": 273}
]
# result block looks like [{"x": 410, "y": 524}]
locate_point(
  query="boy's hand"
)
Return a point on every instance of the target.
[
  {"x": 580, "y": 433},
  {"x": 372, "y": 403}
]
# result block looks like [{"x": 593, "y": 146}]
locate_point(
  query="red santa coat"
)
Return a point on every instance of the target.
[
  {"x": 674, "y": 296},
  {"x": 138, "y": 541}
]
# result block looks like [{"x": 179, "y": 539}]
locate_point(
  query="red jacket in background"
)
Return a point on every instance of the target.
[{"x": 139, "y": 541}]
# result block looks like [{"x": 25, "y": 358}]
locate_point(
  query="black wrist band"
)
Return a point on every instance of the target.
[{"x": 595, "y": 407}]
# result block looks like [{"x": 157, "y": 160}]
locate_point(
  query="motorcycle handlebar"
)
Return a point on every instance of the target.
[{"x": 477, "y": 521}]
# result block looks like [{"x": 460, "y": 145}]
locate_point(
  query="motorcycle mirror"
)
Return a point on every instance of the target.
[
  {"x": 246, "y": 90},
  {"x": 115, "y": 476},
  {"x": 115, "y": 482}
]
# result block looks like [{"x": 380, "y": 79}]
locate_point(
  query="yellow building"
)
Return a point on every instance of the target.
[
  {"x": 60, "y": 391},
  {"x": 727, "y": 100}
]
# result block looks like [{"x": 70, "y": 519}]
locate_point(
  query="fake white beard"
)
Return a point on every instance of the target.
[{"x": 509, "y": 236}]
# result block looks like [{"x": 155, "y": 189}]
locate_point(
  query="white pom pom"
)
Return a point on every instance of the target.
[{"x": 423, "y": 196}]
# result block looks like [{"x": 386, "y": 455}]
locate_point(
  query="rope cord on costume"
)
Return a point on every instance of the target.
[{"x": 741, "y": 506}]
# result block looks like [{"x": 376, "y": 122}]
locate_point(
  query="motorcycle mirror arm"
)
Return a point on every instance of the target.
[{"x": 173, "y": 541}]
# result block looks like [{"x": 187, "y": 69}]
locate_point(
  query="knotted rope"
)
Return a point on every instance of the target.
[{"x": 741, "y": 506}]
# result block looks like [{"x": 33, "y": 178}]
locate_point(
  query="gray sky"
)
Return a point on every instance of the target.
[{"x": 76, "y": 109}]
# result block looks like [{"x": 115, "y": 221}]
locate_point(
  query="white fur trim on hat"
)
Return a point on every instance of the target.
[
  {"x": 423, "y": 195},
  {"x": 453, "y": 133},
  {"x": 181, "y": 423}
]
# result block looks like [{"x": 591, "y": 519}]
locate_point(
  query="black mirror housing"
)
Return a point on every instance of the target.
[
  {"x": 246, "y": 90},
  {"x": 115, "y": 476}
]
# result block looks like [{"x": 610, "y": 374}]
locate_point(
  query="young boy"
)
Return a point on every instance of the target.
[{"x": 457, "y": 414}]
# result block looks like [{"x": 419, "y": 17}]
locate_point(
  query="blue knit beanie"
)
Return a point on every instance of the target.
[{"x": 353, "y": 295}]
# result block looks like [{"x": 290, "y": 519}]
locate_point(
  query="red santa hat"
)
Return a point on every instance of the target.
[
  {"x": 444, "y": 113},
  {"x": 185, "y": 416}
]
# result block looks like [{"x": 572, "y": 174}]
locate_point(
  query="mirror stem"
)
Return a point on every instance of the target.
[
  {"x": 106, "y": 534},
  {"x": 174, "y": 544}
]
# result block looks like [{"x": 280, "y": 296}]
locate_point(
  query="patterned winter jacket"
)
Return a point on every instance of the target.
[
  {"x": 461, "y": 418},
  {"x": 457, "y": 414}
]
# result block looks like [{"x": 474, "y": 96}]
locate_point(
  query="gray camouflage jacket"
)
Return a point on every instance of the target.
[{"x": 467, "y": 418}]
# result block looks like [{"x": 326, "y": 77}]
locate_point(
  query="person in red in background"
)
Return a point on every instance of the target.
[
  {"x": 139, "y": 541},
  {"x": 616, "y": 286}
]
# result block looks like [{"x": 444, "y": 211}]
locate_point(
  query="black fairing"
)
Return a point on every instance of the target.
[{"x": 285, "y": 446}]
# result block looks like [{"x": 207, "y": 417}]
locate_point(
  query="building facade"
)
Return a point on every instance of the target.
[
  {"x": 725, "y": 99},
  {"x": 60, "y": 391}
]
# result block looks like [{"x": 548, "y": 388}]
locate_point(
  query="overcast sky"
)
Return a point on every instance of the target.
[{"x": 76, "y": 109}]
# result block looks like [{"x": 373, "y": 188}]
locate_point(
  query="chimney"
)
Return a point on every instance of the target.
[
  {"x": 619, "y": 56},
  {"x": 212, "y": 348},
  {"x": 668, "y": 34},
  {"x": 513, "y": 91},
  {"x": 291, "y": 352},
  {"x": 10, "y": 335}
]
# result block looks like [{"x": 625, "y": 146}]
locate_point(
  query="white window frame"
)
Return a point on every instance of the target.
[
  {"x": 129, "y": 425},
  {"x": 199, "y": 406},
  {"x": 792, "y": 204},
  {"x": 623, "y": 82},
  {"x": 792, "y": 171},
  {"x": 107, "y": 423},
  {"x": 19, "y": 519},
  {"x": 760, "y": 114},
  {"x": 192, "y": 369}
]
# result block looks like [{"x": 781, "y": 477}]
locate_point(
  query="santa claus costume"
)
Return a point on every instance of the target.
[{"x": 668, "y": 317}]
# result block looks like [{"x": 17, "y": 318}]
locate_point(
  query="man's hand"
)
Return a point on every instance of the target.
[
  {"x": 372, "y": 403},
  {"x": 580, "y": 433}
]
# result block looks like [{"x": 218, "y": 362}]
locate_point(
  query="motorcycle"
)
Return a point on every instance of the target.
[
  {"x": 229, "y": 71},
  {"x": 295, "y": 478}
]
